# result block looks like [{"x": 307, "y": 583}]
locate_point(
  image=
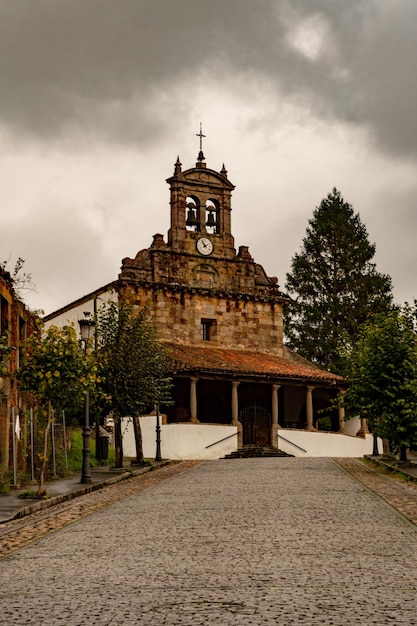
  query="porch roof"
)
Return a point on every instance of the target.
[{"x": 213, "y": 359}]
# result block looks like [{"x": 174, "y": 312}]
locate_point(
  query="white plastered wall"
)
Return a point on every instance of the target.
[
  {"x": 181, "y": 441},
  {"x": 303, "y": 443},
  {"x": 72, "y": 315},
  {"x": 194, "y": 441}
]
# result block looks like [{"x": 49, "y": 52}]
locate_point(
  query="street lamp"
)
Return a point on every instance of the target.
[
  {"x": 158, "y": 436},
  {"x": 86, "y": 326},
  {"x": 375, "y": 451}
]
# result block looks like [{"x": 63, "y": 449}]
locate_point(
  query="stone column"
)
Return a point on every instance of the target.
[
  {"x": 274, "y": 425},
  {"x": 363, "y": 431},
  {"x": 235, "y": 412},
  {"x": 193, "y": 400},
  {"x": 341, "y": 412},
  {"x": 309, "y": 408}
]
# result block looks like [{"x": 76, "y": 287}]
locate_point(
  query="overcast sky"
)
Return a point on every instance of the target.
[{"x": 98, "y": 97}]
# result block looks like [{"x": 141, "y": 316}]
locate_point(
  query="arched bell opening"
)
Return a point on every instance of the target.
[
  {"x": 212, "y": 217},
  {"x": 192, "y": 218}
]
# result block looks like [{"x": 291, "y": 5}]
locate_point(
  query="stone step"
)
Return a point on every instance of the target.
[{"x": 253, "y": 451}]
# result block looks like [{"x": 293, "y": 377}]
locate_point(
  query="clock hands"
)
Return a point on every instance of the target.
[{"x": 204, "y": 246}]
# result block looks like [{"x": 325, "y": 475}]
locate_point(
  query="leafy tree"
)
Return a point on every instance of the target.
[
  {"x": 57, "y": 372},
  {"x": 383, "y": 377},
  {"x": 133, "y": 368},
  {"x": 333, "y": 284}
]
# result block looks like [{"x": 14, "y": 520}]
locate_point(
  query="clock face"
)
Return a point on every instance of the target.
[{"x": 204, "y": 246}]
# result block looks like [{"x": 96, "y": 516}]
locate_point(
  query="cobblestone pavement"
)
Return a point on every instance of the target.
[
  {"x": 249, "y": 541},
  {"x": 400, "y": 495},
  {"x": 19, "y": 532}
]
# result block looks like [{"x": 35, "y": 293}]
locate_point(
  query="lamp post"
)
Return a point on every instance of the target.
[
  {"x": 86, "y": 325},
  {"x": 158, "y": 436},
  {"x": 375, "y": 446}
]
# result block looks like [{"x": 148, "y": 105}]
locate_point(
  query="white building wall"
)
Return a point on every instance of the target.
[
  {"x": 352, "y": 426},
  {"x": 181, "y": 441},
  {"x": 71, "y": 316},
  {"x": 190, "y": 441},
  {"x": 303, "y": 443}
]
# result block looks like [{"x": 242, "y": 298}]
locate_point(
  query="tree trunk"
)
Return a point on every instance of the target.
[
  {"x": 41, "y": 487},
  {"x": 385, "y": 447},
  {"x": 138, "y": 441},
  {"x": 403, "y": 453},
  {"x": 118, "y": 441}
]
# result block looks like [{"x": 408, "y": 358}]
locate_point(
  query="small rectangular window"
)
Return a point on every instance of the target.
[
  {"x": 22, "y": 329},
  {"x": 208, "y": 328},
  {"x": 4, "y": 315}
]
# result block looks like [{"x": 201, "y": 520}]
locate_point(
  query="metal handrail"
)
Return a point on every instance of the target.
[
  {"x": 292, "y": 443},
  {"x": 220, "y": 440}
]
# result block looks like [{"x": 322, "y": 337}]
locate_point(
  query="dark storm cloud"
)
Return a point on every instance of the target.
[
  {"x": 70, "y": 63},
  {"x": 122, "y": 69}
]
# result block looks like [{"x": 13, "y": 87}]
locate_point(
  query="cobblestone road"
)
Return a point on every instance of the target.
[
  {"x": 251, "y": 541},
  {"x": 19, "y": 532}
]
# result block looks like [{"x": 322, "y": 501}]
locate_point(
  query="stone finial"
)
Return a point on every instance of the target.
[
  {"x": 158, "y": 241},
  {"x": 177, "y": 169},
  {"x": 223, "y": 171},
  {"x": 244, "y": 253}
]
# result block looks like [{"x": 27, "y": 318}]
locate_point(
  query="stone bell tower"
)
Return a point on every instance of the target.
[
  {"x": 200, "y": 201},
  {"x": 195, "y": 287}
]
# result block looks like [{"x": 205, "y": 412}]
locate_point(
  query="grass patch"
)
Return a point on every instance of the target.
[
  {"x": 389, "y": 467},
  {"x": 4, "y": 488},
  {"x": 75, "y": 454},
  {"x": 28, "y": 494}
]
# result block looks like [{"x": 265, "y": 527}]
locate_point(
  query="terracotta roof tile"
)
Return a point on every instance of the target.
[{"x": 225, "y": 360}]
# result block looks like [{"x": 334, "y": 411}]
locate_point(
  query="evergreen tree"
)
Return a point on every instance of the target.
[
  {"x": 333, "y": 284},
  {"x": 383, "y": 378}
]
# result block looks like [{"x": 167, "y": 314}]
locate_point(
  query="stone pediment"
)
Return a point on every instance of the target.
[
  {"x": 198, "y": 176},
  {"x": 141, "y": 261},
  {"x": 138, "y": 268}
]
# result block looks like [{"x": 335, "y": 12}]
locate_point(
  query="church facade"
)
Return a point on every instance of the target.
[{"x": 221, "y": 317}]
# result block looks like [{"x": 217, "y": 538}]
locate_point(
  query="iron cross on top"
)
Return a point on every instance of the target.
[{"x": 200, "y": 134}]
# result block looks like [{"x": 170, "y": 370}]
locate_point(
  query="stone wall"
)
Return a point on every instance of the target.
[
  {"x": 16, "y": 323},
  {"x": 238, "y": 321}
]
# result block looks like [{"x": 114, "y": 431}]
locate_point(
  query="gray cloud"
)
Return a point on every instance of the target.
[
  {"x": 56, "y": 244},
  {"x": 296, "y": 96},
  {"x": 122, "y": 69}
]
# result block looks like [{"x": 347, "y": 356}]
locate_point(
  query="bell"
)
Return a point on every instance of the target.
[
  {"x": 211, "y": 220},
  {"x": 191, "y": 216}
]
